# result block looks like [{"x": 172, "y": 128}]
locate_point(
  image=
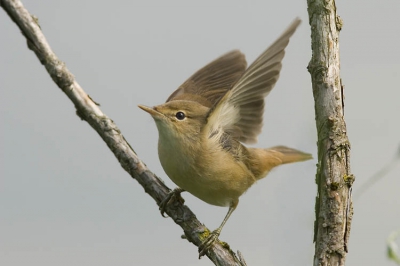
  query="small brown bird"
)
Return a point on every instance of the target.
[{"x": 205, "y": 121}]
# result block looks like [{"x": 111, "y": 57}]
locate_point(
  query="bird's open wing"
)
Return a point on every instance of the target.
[
  {"x": 240, "y": 112},
  {"x": 209, "y": 84}
]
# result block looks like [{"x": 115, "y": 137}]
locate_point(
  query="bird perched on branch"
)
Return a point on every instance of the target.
[{"x": 205, "y": 121}]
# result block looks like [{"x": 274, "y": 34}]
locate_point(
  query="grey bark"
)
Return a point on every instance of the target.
[
  {"x": 333, "y": 207},
  {"x": 89, "y": 111}
]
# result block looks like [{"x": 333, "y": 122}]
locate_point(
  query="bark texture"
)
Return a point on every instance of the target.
[
  {"x": 333, "y": 207},
  {"x": 89, "y": 111}
]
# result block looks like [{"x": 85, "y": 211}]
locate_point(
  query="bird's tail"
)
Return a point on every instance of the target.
[
  {"x": 289, "y": 155},
  {"x": 266, "y": 159}
]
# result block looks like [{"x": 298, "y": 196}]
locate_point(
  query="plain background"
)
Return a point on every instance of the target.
[{"x": 64, "y": 199}]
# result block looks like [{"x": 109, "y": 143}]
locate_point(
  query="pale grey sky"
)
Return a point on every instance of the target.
[{"x": 64, "y": 199}]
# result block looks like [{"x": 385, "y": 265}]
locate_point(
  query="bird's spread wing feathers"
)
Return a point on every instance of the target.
[
  {"x": 240, "y": 111},
  {"x": 209, "y": 84}
]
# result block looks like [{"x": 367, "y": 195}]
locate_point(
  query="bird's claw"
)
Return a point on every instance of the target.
[
  {"x": 173, "y": 196},
  {"x": 208, "y": 243}
]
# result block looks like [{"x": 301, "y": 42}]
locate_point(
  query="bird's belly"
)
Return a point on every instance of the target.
[{"x": 217, "y": 182}]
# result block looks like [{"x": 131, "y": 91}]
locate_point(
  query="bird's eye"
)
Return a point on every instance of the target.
[{"x": 180, "y": 115}]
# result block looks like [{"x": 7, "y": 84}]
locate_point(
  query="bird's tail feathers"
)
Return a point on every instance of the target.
[{"x": 289, "y": 155}]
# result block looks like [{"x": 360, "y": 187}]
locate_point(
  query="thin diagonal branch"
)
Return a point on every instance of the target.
[
  {"x": 90, "y": 112},
  {"x": 378, "y": 175}
]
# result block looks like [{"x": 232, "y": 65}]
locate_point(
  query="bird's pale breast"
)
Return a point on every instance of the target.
[{"x": 206, "y": 171}]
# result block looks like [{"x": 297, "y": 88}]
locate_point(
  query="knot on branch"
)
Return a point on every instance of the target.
[
  {"x": 59, "y": 73},
  {"x": 318, "y": 72},
  {"x": 339, "y": 23}
]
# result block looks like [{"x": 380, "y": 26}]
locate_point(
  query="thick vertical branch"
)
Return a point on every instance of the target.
[{"x": 333, "y": 204}]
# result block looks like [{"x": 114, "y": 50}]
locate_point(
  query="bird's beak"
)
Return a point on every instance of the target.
[{"x": 151, "y": 110}]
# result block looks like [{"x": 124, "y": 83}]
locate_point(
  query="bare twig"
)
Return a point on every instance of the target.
[
  {"x": 333, "y": 206},
  {"x": 89, "y": 111},
  {"x": 378, "y": 175}
]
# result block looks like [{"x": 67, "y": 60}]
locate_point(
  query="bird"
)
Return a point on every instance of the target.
[{"x": 205, "y": 123}]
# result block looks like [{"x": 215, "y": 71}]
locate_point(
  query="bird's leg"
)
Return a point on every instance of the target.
[
  {"x": 174, "y": 195},
  {"x": 209, "y": 241}
]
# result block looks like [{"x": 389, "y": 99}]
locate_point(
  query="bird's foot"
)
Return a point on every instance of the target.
[
  {"x": 208, "y": 242},
  {"x": 173, "y": 196}
]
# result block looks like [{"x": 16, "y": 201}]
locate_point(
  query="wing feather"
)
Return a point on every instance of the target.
[
  {"x": 240, "y": 110},
  {"x": 209, "y": 84}
]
